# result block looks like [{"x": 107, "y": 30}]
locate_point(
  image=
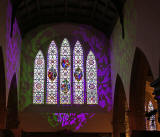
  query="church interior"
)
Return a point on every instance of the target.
[{"x": 88, "y": 68}]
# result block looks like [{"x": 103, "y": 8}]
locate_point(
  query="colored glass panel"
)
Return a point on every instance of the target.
[
  {"x": 38, "y": 89},
  {"x": 152, "y": 122},
  {"x": 78, "y": 74},
  {"x": 65, "y": 73},
  {"x": 91, "y": 79},
  {"x": 52, "y": 74}
]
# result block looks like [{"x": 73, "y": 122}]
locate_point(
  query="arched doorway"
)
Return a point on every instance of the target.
[
  {"x": 2, "y": 92},
  {"x": 12, "y": 106},
  {"x": 140, "y": 73},
  {"x": 120, "y": 111}
]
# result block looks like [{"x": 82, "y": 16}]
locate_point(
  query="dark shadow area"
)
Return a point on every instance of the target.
[
  {"x": 2, "y": 91},
  {"x": 64, "y": 133},
  {"x": 12, "y": 107},
  {"x": 145, "y": 134},
  {"x": 6, "y": 133},
  {"x": 120, "y": 103},
  {"x": 159, "y": 68}
]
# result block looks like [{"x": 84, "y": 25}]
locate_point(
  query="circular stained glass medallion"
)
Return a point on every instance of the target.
[
  {"x": 92, "y": 86},
  {"x": 91, "y": 74},
  {"x": 39, "y": 61},
  {"x": 65, "y": 86},
  {"x": 38, "y": 86}
]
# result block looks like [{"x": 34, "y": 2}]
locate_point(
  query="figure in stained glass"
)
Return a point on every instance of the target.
[
  {"x": 65, "y": 86},
  {"x": 65, "y": 62},
  {"x": 52, "y": 74},
  {"x": 78, "y": 74}
]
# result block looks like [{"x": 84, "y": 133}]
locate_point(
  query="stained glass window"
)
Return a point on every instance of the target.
[
  {"x": 38, "y": 89},
  {"x": 152, "y": 122},
  {"x": 52, "y": 74},
  {"x": 65, "y": 73},
  {"x": 78, "y": 74},
  {"x": 145, "y": 108},
  {"x": 91, "y": 79}
]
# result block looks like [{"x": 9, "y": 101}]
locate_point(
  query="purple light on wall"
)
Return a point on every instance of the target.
[
  {"x": 97, "y": 43},
  {"x": 73, "y": 119},
  {"x": 12, "y": 46}
]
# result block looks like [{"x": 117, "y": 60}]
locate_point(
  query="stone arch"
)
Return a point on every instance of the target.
[
  {"x": 12, "y": 106},
  {"x": 2, "y": 91},
  {"x": 140, "y": 73},
  {"x": 120, "y": 109}
]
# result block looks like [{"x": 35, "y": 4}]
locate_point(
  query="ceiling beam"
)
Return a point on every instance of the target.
[
  {"x": 30, "y": 23},
  {"x": 104, "y": 20}
]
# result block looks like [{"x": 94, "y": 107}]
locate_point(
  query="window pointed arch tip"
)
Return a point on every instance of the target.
[
  {"x": 52, "y": 43},
  {"x": 78, "y": 42},
  {"x": 51, "y": 46},
  {"x": 39, "y": 54},
  {"x": 65, "y": 41},
  {"x": 90, "y": 54}
]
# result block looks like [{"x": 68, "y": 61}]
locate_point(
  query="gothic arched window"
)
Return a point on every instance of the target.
[
  {"x": 152, "y": 120},
  {"x": 38, "y": 89},
  {"x": 65, "y": 73},
  {"x": 91, "y": 79},
  {"x": 52, "y": 74},
  {"x": 78, "y": 74}
]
